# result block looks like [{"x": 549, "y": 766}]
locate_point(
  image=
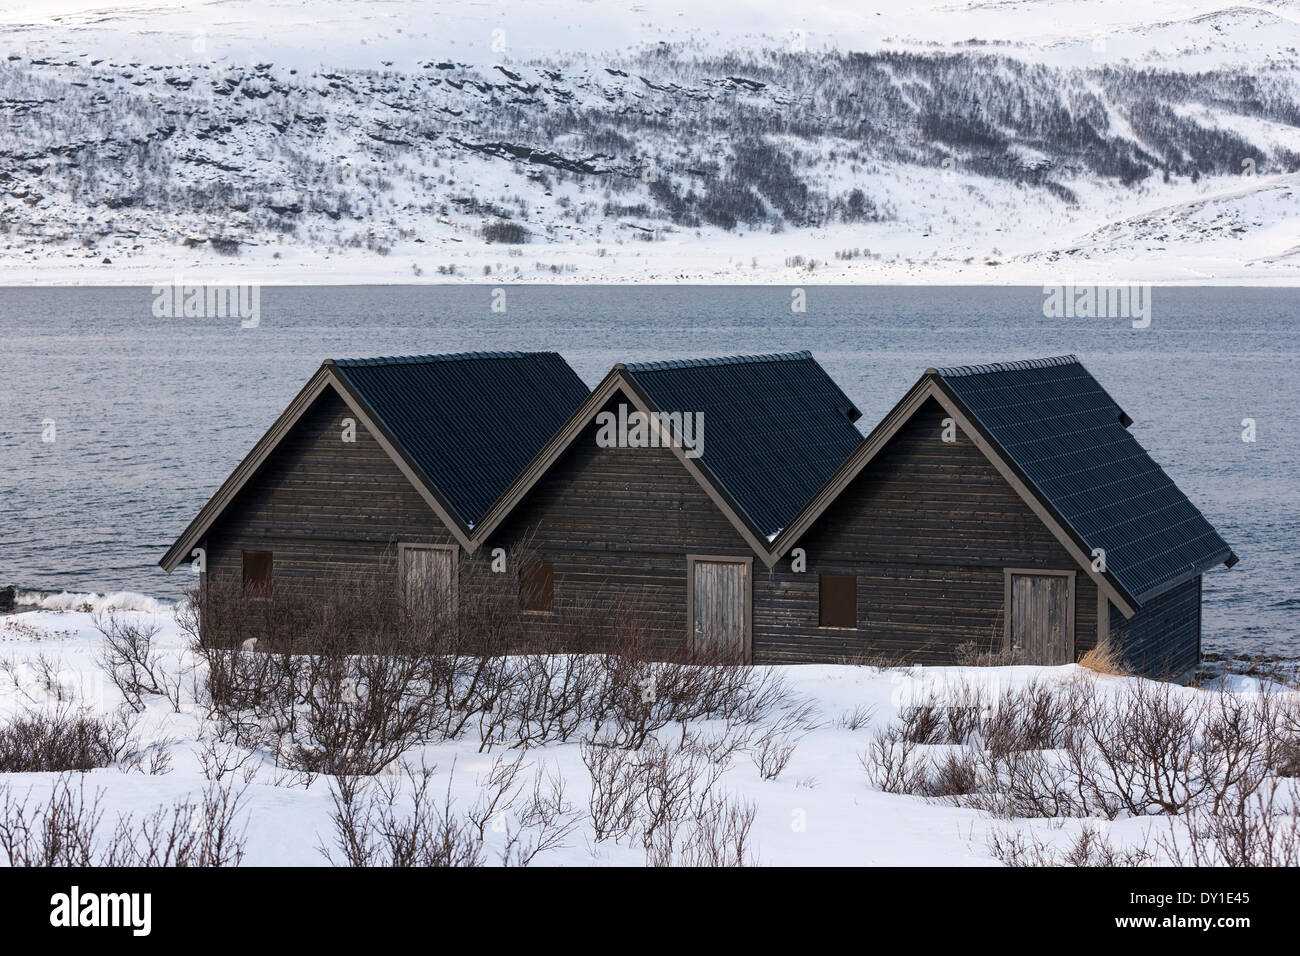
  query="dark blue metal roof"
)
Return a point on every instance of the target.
[
  {"x": 1068, "y": 437},
  {"x": 470, "y": 422},
  {"x": 775, "y": 426}
]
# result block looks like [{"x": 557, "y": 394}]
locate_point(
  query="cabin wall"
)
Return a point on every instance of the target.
[
  {"x": 617, "y": 524},
  {"x": 928, "y": 527},
  {"x": 1163, "y": 639},
  {"x": 331, "y": 512}
]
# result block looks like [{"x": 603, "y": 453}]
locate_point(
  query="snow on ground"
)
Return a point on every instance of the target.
[{"x": 820, "y": 810}]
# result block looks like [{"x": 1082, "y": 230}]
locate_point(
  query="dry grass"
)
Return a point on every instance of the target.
[{"x": 1104, "y": 659}]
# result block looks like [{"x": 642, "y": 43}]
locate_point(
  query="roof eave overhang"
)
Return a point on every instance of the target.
[{"x": 1226, "y": 557}]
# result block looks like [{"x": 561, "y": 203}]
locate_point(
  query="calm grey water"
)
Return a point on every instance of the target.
[{"x": 152, "y": 414}]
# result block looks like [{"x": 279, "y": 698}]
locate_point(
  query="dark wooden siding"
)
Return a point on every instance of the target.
[
  {"x": 617, "y": 524},
  {"x": 329, "y": 510},
  {"x": 929, "y": 528},
  {"x": 1163, "y": 639}
]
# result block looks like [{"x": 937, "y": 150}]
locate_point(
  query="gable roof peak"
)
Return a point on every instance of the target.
[
  {"x": 719, "y": 360},
  {"x": 426, "y": 359},
  {"x": 1021, "y": 365}
]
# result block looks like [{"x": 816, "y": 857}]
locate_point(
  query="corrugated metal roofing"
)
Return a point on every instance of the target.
[
  {"x": 471, "y": 421},
  {"x": 775, "y": 426},
  {"x": 1067, "y": 435}
]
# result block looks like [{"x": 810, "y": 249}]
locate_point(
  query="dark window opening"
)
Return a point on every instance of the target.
[
  {"x": 536, "y": 586},
  {"x": 257, "y": 570},
  {"x": 837, "y": 600}
]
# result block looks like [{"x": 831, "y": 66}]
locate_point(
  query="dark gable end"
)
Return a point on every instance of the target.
[
  {"x": 1070, "y": 440},
  {"x": 1061, "y": 441},
  {"x": 776, "y": 427},
  {"x": 470, "y": 422},
  {"x": 459, "y": 427}
]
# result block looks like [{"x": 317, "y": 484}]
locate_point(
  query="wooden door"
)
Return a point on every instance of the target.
[
  {"x": 429, "y": 579},
  {"x": 1042, "y": 618},
  {"x": 720, "y": 609}
]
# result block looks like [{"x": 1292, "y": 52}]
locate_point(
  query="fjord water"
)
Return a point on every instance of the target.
[{"x": 151, "y": 414}]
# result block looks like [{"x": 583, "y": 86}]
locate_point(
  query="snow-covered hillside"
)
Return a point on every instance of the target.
[{"x": 432, "y": 141}]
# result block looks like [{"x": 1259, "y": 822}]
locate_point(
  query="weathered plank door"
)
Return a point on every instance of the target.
[
  {"x": 429, "y": 579},
  {"x": 720, "y": 603},
  {"x": 1042, "y": 630}
]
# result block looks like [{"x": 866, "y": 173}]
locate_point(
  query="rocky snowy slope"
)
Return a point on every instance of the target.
[{"x": 429, "y": 141}]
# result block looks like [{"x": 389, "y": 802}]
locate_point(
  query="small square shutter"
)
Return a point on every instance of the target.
[
  {"x": 837, "y": 600},
  {"x": 257, "y": 570},
  {"x": 536, "y": 586}
]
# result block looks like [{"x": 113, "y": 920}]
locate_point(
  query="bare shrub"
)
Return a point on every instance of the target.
[
  {"x": 497, "y": 792},
  {"x": 856, "y": 719},
  {"x": 61, "y": 740},
  {"x": 341, "y": 686},
  {"x": 1254, "y": 831},
  {"x": 218, "y": 759},
  {"x": 772, "y": 748},
  {"x": 375, "y": 826},
  {"x": 1157, "y": 748},
  {"x": 1284, "y": 742},
  {"x": 922, "y": 723},
  {"x": 545, "y": 820},
  {"x": 532, "y": 822},
  {"x": 955, "y": 774},
  {"x": 155, "y": 760},
  {"x": 662, "y": 794},
  {"x": 132, "y": 661},
  {"x": 345, "y": 684},
  {"x": 1037, "y": 716},
  {"x": 1070, "y": 750},
  {"x": 1089, "y": 849},
  {"x": 720, "y": 743},
  {"x": 399, "y": 821},
  {"x": 892, "y": 763},
  {"x": 38, "y": 673},
  {"x": 947, "y": 718},
  {"x": 65, "y": 830},
  {"x": 546, "y": 696},
  {"x": 1025, "y": 783},
  {"x": 641, "y": 695},
  {"x": 200, "y": 833},
  {"x": 719, "y": 836},
  {"x": 674, "y": 784},
  {"x": 772, "y": 752},
  {"x": 60, "y": 832},
  {"x": 614, "y": 789}
]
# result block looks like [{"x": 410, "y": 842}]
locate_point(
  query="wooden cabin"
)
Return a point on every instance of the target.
[
  {"x": 1001, "y": 508},
  {"x": 379, "y": 462}
]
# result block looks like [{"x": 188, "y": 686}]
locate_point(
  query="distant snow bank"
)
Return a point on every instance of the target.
[{"x": 90, "y": 601}]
